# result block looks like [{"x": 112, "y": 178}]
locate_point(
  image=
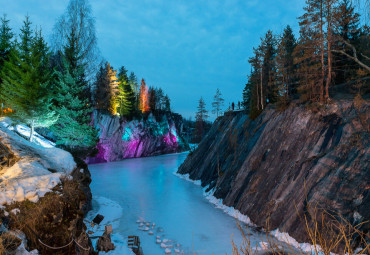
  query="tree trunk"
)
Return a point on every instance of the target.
[
  {"x": 322, "y": 55},
  {"x": 262, "y": 101},
  {"x": 258, "y": 98},
  {"x": 32, "y": 130},
  {"x": 329, "y": 42}
]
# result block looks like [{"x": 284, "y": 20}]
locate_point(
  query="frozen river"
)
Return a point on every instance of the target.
[{"x": 146, "y": 189}]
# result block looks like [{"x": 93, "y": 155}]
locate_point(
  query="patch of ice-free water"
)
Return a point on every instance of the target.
[{"x": 112, "y": 213}]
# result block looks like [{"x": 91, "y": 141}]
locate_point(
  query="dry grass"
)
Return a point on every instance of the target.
[
  {"x": 51, "y": 219},
  {"x": 8, "y": 243},
  {"x": 326, "y": 232}
]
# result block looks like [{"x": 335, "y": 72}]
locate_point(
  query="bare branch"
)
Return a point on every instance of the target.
[{"x": 354, "y": 57}]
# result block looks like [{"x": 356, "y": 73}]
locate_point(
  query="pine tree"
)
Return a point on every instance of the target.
[
  {"x": 200, "y": 120},
  {"x": 314, "y": 53},
  {"x": 347, "y": 28},
  {"x": 217, "y": 103},
  {"x": 144, "y": 97},
  {"x": 255, "y": 82},
  {"x": 309, "y": 54},
  {"x": 268, "y": 49},
  {"x": 285, "y": 65},
  {"x": 27, "y": 80}
]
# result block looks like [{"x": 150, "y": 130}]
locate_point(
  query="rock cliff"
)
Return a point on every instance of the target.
[
  {"x": 120, "y": 139},
  {"x": 272, "y": 167}
]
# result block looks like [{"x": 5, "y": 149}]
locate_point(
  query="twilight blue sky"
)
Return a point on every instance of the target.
[{"x": 188, "y": 47}]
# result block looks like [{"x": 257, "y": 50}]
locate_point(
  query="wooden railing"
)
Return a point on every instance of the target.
[{"x": 134, "y": 244}]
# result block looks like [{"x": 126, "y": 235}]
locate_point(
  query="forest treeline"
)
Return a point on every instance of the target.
[
  {"x": 332, "y": 50},
  {"x": 58, "y": 87}
]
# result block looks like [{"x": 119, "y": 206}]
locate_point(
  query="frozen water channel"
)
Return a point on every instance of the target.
[{"x": 146, "y": 189}]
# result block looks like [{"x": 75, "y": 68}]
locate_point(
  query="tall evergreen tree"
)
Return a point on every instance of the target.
[
  {"x": 133, "y": 82},
  {"x": 347, "y": 27},
  {"x": 6, "y": 44},
  {"x": 285, "y": 65},
  {"x": 73, "y": 130},
  {"x": 167, "y": 103},
  {"x": 217, "y": 103},
  {"x": 106, "y": 89},
  {"x": 26, "y": 81},
  {"x": 127, "y": 96},
  {"x": 160, "y": 103},
  {"x": 309, "y": 53},
  {"x": 144, "y": 97},
  {"x": 200, "y": 120},
  {"x": 152, "y": 99},
  {"x": 268, "y": 47}
]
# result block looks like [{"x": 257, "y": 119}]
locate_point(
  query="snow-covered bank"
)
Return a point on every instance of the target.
[
  {"x": 39, "y": 168},
  {"x": 112, "y": 213},
  {"x": 280, "y": 236}
]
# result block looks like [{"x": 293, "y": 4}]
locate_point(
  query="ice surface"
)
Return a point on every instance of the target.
[{"x": 146, "y": 190}]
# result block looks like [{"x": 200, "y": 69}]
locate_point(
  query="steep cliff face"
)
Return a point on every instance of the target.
[
  {"x": 272, "y": 167},
  {"x": 122, "y": 139}
]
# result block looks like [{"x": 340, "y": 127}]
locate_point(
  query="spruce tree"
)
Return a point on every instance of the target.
[
  {"x": 127, "y": 98},
  {"x": 27, "y": 81},
  {"x": 73, "y": 129},
  {"x": 133, "y": 82},
  {"x": 6, "y": 44}
]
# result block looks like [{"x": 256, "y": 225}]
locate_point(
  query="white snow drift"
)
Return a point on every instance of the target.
[{"x": 39, "y": 168}]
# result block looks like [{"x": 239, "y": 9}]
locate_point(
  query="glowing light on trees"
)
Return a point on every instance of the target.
[{"x": 144, "y": 97}]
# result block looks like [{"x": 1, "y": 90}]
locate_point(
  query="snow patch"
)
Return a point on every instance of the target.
[
  {"x": 39, "y": 169},
  {"x": 112, "y": 213},
  {"x": 227, "y": 209},
  {"x": 187, "y": 178}
]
